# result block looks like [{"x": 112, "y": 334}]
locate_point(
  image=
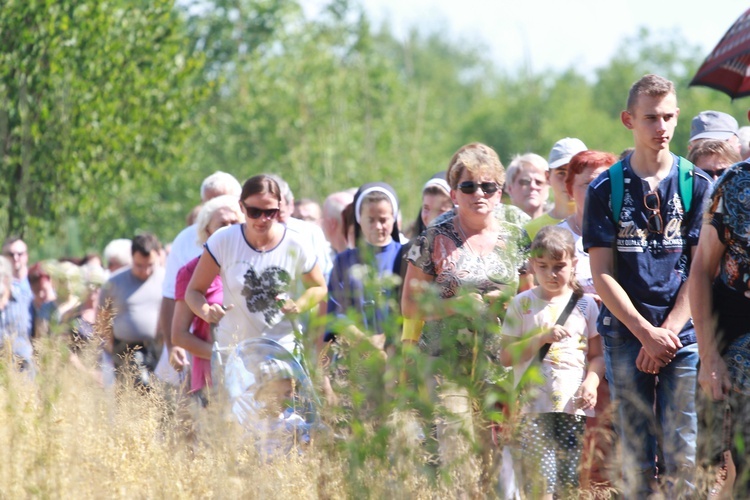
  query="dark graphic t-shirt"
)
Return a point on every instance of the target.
[{"x": 651, "y": 267}]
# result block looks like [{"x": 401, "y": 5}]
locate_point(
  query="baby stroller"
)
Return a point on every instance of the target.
[{"x": 269, "y": 394}]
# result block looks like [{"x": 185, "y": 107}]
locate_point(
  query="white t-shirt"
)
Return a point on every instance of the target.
[
  {"x": 253, "y": 280},
  {"x": 583, "y": 268},
  {"x": 564, "y": 367},
  {"x": 185, "y": 248},
  {"x": 317, "y": 239}
]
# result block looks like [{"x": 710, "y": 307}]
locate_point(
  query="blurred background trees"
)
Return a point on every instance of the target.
[{"x": 111, "y": 113}]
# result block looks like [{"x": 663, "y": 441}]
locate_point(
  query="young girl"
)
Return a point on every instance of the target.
[
  {"x": 436, "y": 200},
  {"x": 554, "y": 414},
  {"x": 362, "y": 304},
  {"x": 377, "y": 245}
]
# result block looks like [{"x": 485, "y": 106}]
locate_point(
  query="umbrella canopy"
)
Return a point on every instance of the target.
[{"x": 727, "y": 67}]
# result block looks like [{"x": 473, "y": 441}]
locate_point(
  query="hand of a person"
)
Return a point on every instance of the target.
[
  {"x": 216, "y": 312},
  {"x": 556, "y": 334},
  {"x": 586, "y": 396},
  {"x": 597, "y": 299},
  {"x": 497, "y": 302},
  {"x": 493, "y": 296},
  {"x": 478, "y": 299},
  {"x": 287, "y": 305},
  {"x": 661, "y": 344},
  {"x": 646, "y": 363},
  {"x": 713, "y": 377},
  {"x": 178, "y": 358}
]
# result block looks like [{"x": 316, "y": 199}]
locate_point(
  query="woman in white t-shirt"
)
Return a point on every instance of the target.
[
  {"x": 260, "y": 262},
  {"x": 583, "y": 168}
]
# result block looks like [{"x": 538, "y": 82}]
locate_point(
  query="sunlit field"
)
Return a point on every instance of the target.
[{"x": 64, "y": 436}]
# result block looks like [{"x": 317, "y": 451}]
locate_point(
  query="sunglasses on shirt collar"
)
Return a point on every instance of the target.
[
  {"x": 652, "y": 202},
  {"x": 470, "y": 187}
]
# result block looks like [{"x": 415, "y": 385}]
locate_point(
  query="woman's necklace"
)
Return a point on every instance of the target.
[
  {"x": 270, "y": 243},
  {"x": 478, "y": 255}
]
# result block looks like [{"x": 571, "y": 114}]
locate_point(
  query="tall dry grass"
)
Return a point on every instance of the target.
[{"x": 64, "y": 436}]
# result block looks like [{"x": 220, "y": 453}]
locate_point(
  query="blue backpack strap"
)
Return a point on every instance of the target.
[
  {"x": 686, "y": 182},
  {"x": 617, "y": 184},
  {"x": 617, "y": 181}
]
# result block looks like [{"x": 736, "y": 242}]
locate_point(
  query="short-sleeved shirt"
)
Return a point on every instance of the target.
[
  {"x": 564, "y": 366},
  {"x": 22, "y": 290},
  {"x": 201, "y": 372},
  {"x": 317, "y": 241},
  {"x": 136, "y": 305},
  {"x": 650, "y": 267},
  {"x": 15, "y": 325},
  {"x": 535, "y": 225},
  {"x": 729, "y": 212},
  {"x": 583, "y": 267},
  {"x": 441, "y": 252},
  {"x": 185, "y": 248},
  {"x": 255, "y": 281}
]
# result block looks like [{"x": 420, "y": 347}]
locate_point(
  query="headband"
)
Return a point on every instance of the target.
[
  {"x": 439, "y": 183},
  {"x": 373, "y": 189}
]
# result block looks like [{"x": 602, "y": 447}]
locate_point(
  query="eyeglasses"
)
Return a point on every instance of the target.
[
  {"x": 524, "y": 182},
  {"x": 470, "y": 187},
  {"x": 653, "y": 203},
  {"x": 257, "y": 213}
]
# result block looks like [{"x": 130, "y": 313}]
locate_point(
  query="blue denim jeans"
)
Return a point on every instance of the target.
[{"x": 650, "y": 408}]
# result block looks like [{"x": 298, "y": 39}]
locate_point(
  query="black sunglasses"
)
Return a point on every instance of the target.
[
  {"x": 653, "y": 203},
  {"x": 256, "y": 213},
  {"x": 470, "y": 187}
]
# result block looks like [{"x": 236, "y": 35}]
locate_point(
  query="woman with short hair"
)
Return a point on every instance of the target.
[{"x": 470, "y": 256}]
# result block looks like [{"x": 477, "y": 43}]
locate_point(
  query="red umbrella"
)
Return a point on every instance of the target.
[{"x": 727, "y": 67}]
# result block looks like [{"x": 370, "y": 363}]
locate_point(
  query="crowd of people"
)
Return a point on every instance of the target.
[{"x": 618, "y": 301}]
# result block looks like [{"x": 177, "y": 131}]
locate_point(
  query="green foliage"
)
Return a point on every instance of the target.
[
  {"x": 95, "y": 101},
  {"x": 112, "y": 113}
]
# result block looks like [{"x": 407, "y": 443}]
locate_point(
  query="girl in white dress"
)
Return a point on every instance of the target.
[{"x": 555, "y": 410}]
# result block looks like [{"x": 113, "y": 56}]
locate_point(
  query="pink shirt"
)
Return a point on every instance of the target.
[{"x": 201, "y": 374}]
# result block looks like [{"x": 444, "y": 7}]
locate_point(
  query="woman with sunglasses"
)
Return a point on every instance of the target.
[
  {"x": 471, "y": 262},
  {"x": 260, "y": 262}
]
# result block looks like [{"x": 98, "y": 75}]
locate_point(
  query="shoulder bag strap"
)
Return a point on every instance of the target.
[{"x": 561, "y": 320}]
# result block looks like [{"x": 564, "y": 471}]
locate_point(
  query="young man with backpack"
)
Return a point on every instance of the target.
[{"x": 641, "y": 225}]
